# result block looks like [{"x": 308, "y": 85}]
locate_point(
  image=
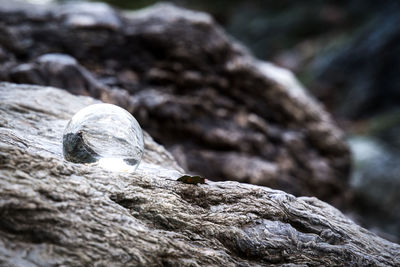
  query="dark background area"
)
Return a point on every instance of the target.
[{"x": 347, "y": 54}]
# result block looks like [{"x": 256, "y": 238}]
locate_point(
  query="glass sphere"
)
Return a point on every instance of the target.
[{"x": 104, "y": 133}]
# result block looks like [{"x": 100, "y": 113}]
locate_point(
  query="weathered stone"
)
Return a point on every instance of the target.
[
  {"x": 191, "y": 87},
  {"x": 57, "y": 213}
]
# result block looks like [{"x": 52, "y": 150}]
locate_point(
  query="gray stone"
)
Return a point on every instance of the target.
[
  {"x": 193, "y": 88},
  {"x": 57, "y": 213}
]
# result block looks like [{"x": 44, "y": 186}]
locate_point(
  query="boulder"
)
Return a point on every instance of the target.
[
  {"x": 222, "y": 113},
  {"x": 57, "y": 213}
]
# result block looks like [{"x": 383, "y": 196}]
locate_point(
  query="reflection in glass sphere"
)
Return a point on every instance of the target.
[{"x": 106, "y": 134}]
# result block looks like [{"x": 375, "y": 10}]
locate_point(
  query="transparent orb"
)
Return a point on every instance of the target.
[{"x": 106, "y": 134}]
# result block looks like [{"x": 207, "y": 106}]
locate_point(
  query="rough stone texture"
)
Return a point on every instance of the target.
[
  {"x": 222, "y": 113},
  {"x": 57, "y": 213}
]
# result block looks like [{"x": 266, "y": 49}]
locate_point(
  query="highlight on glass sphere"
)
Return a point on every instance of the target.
[{"x": 106, "y": 134}]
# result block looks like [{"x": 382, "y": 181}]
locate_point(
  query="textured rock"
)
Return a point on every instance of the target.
[
  {"x": 54, "y": 212},
  {"x": 190, "y": 86}
]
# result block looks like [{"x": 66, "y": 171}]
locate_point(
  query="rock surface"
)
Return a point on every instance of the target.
[
  {"x": 222, "y": 113},
  {"x": 57, "y": 213}
]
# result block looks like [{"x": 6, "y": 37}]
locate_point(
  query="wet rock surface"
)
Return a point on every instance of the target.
[
  {"x": 54, "y": 212},
  {"x": 195, "y": 90}
]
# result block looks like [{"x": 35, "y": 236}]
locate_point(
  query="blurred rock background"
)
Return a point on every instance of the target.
[{"x": 347, "y": 54}]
